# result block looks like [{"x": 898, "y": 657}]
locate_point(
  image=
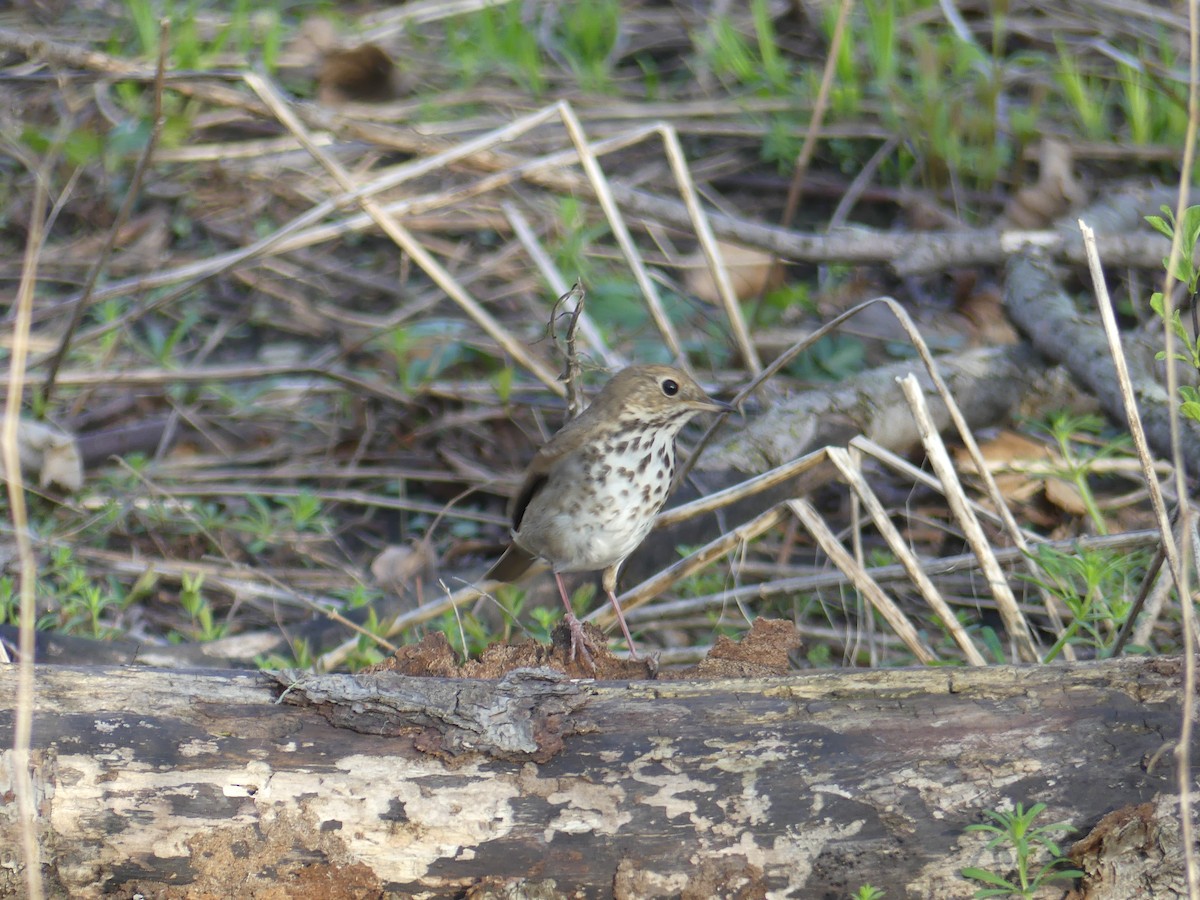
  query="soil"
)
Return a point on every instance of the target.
[{"x": 762, "y": 651}]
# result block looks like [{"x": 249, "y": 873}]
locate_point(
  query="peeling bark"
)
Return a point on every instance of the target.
[{"x": 181, "y": 784}]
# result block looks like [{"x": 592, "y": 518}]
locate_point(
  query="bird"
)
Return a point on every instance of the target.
[{"x": 591, "y": 493}]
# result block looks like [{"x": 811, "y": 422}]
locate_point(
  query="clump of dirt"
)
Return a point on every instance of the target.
[{"x": 761, "y": 652}]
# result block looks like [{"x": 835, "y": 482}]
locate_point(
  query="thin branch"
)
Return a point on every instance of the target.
[
  {"x": 558, "y": 284},
  {"x": 22, "y": 776},
  {"x": 572, "y": 305}
]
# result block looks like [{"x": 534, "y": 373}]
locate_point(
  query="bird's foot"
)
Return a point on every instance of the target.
[{"x": 580, "y": 643}]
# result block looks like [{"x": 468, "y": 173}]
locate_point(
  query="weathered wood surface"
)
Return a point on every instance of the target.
[{"x": 202, "y": 784}]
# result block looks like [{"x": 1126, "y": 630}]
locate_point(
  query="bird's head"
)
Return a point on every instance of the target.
[{"x": 655, "y": 395}]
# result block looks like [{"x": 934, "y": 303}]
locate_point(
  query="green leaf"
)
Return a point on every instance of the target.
[
  {"x": 988, "y": 878},
  {"x": 1162, "y": 354},
  {"x": 1162, "y": 226},
  {"x": 1183, "y": 267},
  {"x": 502, "y": 381},
  {"x": 1190, "y": 228}
]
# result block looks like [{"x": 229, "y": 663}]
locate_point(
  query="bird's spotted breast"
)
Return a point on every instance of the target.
[{"x": 605, "y": 506}]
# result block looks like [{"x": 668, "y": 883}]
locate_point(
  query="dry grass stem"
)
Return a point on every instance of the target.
[
  {"x": 22, "y": 774},
  {"x": 100, "y": 263},
  {"x": 148, "y": 377},
  {"x": 1183, "y": 750},
  {"x": 742, "y": 490},
  {"x": 956, "y": 417},
  {"x": 633, "y": 257},
  {"x": 1158, "y": 599},
  {"x": 298, "y": 598},
  {"x": 406, "y": 620},
  {"x": 587, "y": 327},
  {"x": 902, "y": 466},
  {"x": 301, "y": 231},
  {"x": 816, "y": 581},
  {"x": 820, "y": 105},
  {"x": 712, "y": 252},
  {"x": 260, "y": 150},
  {"x": 939, "y": 459},
  {"x": 863, "y": 583},
  {"x": 1178, "y": 562},
  {"x": 690, "y": 564},
  {"x": 852, "y": 475},
  {"x": 1132, "y": 419},
  {"x": 972, "y": 447},
  {"x": 1168, "y": 546},
  {"x": 404, "y": 238}
]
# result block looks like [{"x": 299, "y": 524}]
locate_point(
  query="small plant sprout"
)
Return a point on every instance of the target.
[
  {"x": 196, "y": 605},
  {"x": 1187, "y": 273},
  {"x": 1015, "y": 828}
]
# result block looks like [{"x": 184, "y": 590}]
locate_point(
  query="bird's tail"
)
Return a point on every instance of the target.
[{"x": 511, "y": 565}]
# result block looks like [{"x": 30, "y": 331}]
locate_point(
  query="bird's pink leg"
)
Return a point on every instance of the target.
[
  {"x": 580, "y": 642},
  {"x": 610, "y": 585}
]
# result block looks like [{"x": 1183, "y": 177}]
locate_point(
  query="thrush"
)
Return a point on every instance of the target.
[{"x": 591, "y": 494}]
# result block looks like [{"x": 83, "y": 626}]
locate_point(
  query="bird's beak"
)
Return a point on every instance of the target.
[{"x": 710, "y": 405}]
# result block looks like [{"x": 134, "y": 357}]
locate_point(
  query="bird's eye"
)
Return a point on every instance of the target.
[{"x": 670, "y": 387}]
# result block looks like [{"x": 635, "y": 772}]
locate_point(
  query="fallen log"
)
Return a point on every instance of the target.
[{"x": 199, "y": 784}]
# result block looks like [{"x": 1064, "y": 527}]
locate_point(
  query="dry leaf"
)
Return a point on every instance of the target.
[
  {"x": 357, "y": 74},
  {"x": 397, "y": 566},
  {"x": 1054, "y": 194},
  {"x": 50, "y": 455},
  {"x": 362, "y": 74},
  {"x": 1010, "y": 450},
  {"x": 1066, "y": 496},
  {"x": 749, "y": 271},
  {"x": 983, "y": 308},
  {"x": 1001, "y": 452}
]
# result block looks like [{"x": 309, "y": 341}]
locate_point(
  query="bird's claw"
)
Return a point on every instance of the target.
[{"x": 581, "y": 644}]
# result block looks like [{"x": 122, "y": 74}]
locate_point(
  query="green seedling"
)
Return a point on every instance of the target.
[
  {"x": 196, "y": 605},
  {"x": 1187, "y": 273},
  {"x": 586, "y": 34},
  {"x": 1016, "y": 828},
  {"x": 1095, "y": 585}
]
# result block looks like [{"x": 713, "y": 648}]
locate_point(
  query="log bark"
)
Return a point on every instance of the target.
[
  {"x": 1061, "y": 333},
  {"x": 183, "y": 784}
]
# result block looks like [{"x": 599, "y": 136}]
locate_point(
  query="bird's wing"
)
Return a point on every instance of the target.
[
  {"x": 517, "y": 559},
  {"x": 534, "y": 482},
  {"x": 538, "y": 473}
]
